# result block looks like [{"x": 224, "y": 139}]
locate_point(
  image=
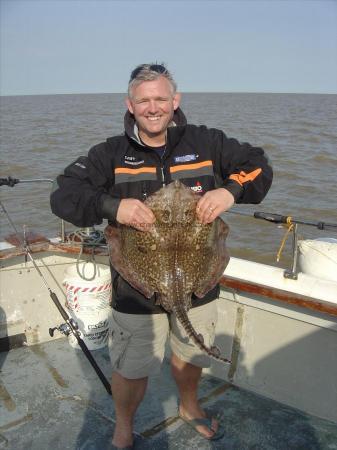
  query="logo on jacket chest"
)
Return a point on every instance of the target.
[
  {"x": 197, "y": 188},
  {"x": 185, "y": 158},
  {"x": 133, "y": 161}
]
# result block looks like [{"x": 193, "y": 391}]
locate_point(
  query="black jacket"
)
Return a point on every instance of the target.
[{"x": 91, "y": 188}]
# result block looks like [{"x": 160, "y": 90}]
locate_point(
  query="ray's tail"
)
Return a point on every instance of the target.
[
  {"x": 213, "y": 351},
  {"x": 180, "y": 311}
]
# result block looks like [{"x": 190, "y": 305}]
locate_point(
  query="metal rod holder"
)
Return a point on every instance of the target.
[
  {"x": 292, "y": 273},
  {"x": 63, "y": 232}
]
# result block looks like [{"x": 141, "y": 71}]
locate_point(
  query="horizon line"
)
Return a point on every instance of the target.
[{"x": 182, "y": 92}]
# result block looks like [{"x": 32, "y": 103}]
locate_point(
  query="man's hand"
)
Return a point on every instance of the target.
[
  {"x": 213, "y": 203},
  {"x": 134, "y": 213}
]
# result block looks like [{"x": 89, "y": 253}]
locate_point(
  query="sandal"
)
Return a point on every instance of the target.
[{"x": 206, "y": 421}]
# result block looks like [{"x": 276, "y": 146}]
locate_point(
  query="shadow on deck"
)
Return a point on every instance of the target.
[{"x": 50, "y": 398}]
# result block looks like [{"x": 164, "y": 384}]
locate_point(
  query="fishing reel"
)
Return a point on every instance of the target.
[{"x": 64, "y": 328}]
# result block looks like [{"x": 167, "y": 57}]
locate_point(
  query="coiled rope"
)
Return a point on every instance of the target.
[{"x": 92, "y": 239}]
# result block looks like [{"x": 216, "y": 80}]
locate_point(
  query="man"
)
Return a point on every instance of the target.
[{"x": 111, "y": 183}]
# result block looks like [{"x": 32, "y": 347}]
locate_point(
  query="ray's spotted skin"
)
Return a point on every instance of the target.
[{"x": 175, "y": 257}]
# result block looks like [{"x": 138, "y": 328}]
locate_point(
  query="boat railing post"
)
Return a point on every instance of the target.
[
  {"x": 292, "y": 273},
  {"x": 63, "y": 232}
]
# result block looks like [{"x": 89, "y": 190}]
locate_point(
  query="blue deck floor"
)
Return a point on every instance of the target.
[{"x": 50, "y": 398}]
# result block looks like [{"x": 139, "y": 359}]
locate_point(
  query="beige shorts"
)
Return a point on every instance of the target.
[{"x": 137, "y": 342}]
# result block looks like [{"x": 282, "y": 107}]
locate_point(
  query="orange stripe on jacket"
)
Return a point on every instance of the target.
[
  {"x": 135, "y": 171},
  {"x": 191, "y": 166},
  {"x": 243, "y": 177}
]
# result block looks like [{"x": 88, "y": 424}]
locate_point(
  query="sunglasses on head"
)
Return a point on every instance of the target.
[{"x": 159, "y": 68}]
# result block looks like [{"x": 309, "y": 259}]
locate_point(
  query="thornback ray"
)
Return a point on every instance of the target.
[{"x": 175, "y": 257}]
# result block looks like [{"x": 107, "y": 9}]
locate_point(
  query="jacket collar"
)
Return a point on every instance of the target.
[{"x": 175, "y": 129}]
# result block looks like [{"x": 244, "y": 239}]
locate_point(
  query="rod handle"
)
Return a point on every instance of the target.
[
  {"x": 9, "y": 181},
  {"x": 94, "y": 364},
  {"x": 276, "y": 218}
]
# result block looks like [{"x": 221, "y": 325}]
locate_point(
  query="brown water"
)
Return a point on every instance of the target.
[{"x": 40, "y": 135}]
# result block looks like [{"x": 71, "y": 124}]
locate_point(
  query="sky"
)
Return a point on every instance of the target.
[{"x": 91, "y": 46}]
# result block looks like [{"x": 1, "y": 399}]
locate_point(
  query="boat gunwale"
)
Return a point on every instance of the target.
[{"x": 279, "y": 295}]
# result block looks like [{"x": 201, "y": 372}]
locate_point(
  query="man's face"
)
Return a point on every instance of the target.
[{"x": 153, "y": 104}]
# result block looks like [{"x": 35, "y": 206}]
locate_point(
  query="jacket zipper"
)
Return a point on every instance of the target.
[
  {"x": 162, "y": 164},
  {"x": 163, "y": 181},
  {"x": 162, "y": 176}
]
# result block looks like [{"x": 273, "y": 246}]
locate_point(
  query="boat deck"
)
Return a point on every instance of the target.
[{"x": 52, "y": 399}]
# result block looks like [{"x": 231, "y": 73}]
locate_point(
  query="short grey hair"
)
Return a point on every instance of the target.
[{"x": 150, "y": 72}]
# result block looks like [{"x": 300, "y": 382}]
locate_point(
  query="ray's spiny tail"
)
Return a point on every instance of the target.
[{"x": 180, "y": 310}]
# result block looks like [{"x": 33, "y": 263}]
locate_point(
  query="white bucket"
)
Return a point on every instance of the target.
[
  {"x": 318, "y": 258},
  {"x": 85, "y": 293},
  {"x": 88, "y": 292},
  {"x": 94, "y": 328}
]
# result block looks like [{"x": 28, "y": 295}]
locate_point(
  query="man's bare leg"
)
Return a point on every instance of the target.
[
  {"x": 127, "y": 395},
  {"x": 187, "y": 377}
]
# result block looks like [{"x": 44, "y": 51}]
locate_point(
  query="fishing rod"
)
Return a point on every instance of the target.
[
  {"x": 288, "y": 220},
  {"x": 70, "y": 326}
]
